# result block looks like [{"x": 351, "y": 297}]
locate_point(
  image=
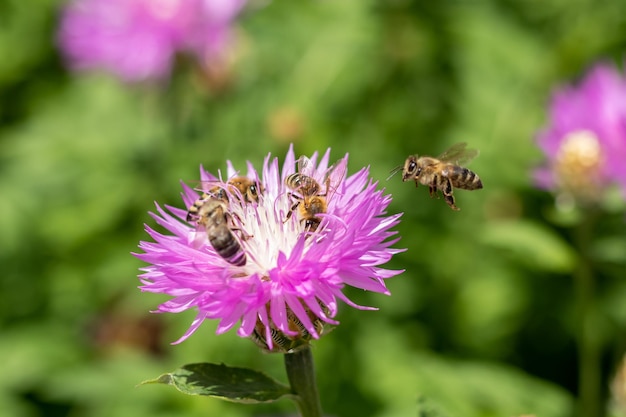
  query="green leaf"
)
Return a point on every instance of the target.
[
  {"x": 239, "y": 385},
  {"x": 531, "y": 243}
]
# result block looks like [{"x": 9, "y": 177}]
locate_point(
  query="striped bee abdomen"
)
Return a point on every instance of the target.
[{"x": 465, "y": 179}]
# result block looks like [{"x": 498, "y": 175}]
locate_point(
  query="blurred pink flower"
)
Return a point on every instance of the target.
[
  {"x": 138, "y": 39},
  {"x": 585, "y": 140},
  {"x": 291, "y": 277}
]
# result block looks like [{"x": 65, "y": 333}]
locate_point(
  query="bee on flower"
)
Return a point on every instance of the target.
[{"x": 283, "y": 289}]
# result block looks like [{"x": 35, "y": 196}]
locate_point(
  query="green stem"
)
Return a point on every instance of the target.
[
  {"x": 589, "y": 378},
  {"x": 301, "y": 375}
]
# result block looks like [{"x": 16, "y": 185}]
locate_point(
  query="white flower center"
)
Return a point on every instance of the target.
[{"x": 265, "y": 230}]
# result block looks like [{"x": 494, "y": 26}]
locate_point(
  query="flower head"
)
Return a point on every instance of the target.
[
  {"x": 255, "y": 259},
  {"x": 585, "y": 140},
  {"x": 138, "y": 39}
]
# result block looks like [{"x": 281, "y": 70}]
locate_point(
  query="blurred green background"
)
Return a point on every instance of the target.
[{"x": 483, "y": 321}]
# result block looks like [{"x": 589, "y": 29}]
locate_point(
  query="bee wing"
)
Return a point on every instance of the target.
[
  {"x": 331, "y": 178},
  {"x": 334, "y": 175},
  {"x": 336, "y": 172},
  {"x": 198, "y": 237},
  {"x": 306, "y": 166},
  {"x": 207, "y": 186},
  {"x": 458, "y": 154}
]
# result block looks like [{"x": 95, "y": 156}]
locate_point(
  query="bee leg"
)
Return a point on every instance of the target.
[
  {"x": 436, "y": 184},
  {"x": 241, "y": 233},
  {"x": 447, "y": 194},
  {"x": 293, "y": 207},
  {"x": 327, "y": 183},
  {"x": 192, "y": 214},
  {"x": 432, "y": 191},
  {"x": 291, "y": 210},
  {"x": 231, "y": 225}
]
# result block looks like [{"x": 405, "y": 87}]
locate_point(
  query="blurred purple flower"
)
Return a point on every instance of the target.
[
  {"x": 291, "y": 280},
  {"x": 585, "y": 140},
  {"x": 138, "y": 39}
]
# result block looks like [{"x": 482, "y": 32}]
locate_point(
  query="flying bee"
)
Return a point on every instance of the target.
[
  {"x": 212, "y": 214},
  {"x": 248, "y": 189},
  {"x": 307, "y": 191},
  {"x": 442, "y": 173}
]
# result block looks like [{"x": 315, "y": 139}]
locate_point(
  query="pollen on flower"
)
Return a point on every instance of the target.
[
  {"x": 578, "y": 164},
  {"x": 248, "y": 251}
]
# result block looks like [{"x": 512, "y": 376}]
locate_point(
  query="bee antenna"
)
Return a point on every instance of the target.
[{"x": 394, "y": 171}]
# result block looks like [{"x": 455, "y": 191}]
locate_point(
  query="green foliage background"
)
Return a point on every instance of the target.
[{"x": 482, "y": 322}]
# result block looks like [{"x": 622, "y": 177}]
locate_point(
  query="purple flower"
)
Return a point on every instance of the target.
[
  {"x": 286, "y": 289},
  {"x": 585, "y": 140},
  {"x": 138, "y": 39}
]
